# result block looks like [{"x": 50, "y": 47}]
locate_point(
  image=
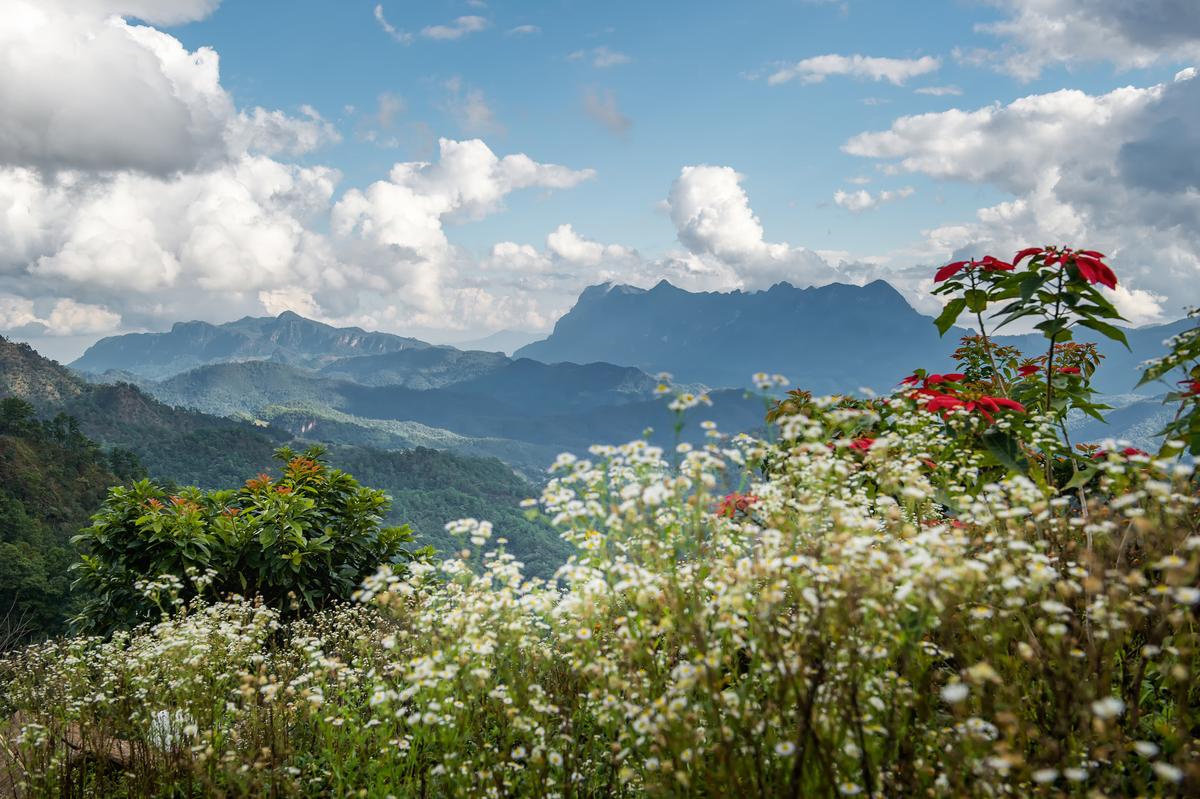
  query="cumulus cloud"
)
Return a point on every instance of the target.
[
  {"x": 724, "y": 239},
  {"x": 155, "y": 12},
  {"x": 64, "y": 317},
  {"x": 1110, "y": 170},
  {"x": 601, "y": 105},
  {"x": 277, "y": 133},
  {"x": 92, "y": 92},
  {"x": 191, "y": 213},
  {"x": 893, "y": 70},
  {"x": 1041, "y": 33},
  {"x": 863, "y": 200}
]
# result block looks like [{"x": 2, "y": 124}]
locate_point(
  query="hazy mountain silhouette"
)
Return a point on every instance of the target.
[
  {"x": 288, "y": 338},
  {"x": 832, "y": 338}
]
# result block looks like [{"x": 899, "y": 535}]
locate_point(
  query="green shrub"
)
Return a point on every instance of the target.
[{"x": 299, "y": 542}]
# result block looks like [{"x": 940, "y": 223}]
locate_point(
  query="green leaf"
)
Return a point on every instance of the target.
[
  {"x": 977, "y": 300},
  {"x": 949, "y": 314},
  {"x": 1113, "y": 332},
  {"x": 1082, "y": 477},
  {"x": 1030, "y": 284},
  {"x": 1005, "y": 449}
]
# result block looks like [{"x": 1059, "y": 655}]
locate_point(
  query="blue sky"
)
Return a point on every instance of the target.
[
  {"x": 685, "y": 90},
  {"x": 240, "y": 158}
]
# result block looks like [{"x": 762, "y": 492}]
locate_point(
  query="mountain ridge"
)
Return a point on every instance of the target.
[
  {"x": 288, "y": 338},
  {"x": 833, "y": 338}
]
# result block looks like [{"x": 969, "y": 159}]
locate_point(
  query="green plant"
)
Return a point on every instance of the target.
[
  {"x": 299, "y": 542},
  {"x": 1184, "y": 358}
]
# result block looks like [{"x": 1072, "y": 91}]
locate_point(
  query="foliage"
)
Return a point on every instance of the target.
[
  {"x": 828, "y": 630},
  {"x": 1183, "y": 358},
  {"x": 51, "y": 478},
  {"x": 930, "y": 593},
  {"x": 430, "y": 489},
  {"x": 302, "y": 540}
]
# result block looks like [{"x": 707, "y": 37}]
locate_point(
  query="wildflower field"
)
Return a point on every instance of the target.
[{"x": 933, "y": 593}]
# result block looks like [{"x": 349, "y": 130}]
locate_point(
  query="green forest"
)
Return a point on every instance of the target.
[{"x": 64, "y": 442}]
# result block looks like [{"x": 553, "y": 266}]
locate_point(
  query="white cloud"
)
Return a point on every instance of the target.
[
  {"x": 602, "y": 107},
  {"x": 457, "y": 29},
  {"x": 724, "y": 239},
  {"x": 277, "y": 133},
  {"x": 893, "y": 70},
  {"x": 155, "y": 12},
  {"x": 401, "y": 36},
  {"x": 863, "y": 200},
  {"x": 92, "y": 92},
  {"x": 1127, "y": 33},
  {"x": 291, "y": 298},
  {"x": 65, "y": 317},
  {"x": 1115, "y": 172},
  {"x": 186, "y": 212},
  {"x": 939, "y": 91},
  {"x": 524, "y": 30},
  {"x": 601, "y": 57}
]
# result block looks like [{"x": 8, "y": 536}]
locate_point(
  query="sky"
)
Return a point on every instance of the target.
[{"x": 451, "y": 168}]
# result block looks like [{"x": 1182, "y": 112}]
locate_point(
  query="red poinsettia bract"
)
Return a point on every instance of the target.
[
  {"x": 735, "y": 503},
  {"x": 987, "y": 263},
  {"x": 862, "y": 444},
  {"x": 1128, "y": 452},
  {"x": 1090, "y": 263},
  {"x": 983, "y": 405}
]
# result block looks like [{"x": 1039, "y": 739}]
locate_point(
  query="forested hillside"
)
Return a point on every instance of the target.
[
  {"x": 52, "y": 477},
  {"x": 56, "y": 474}
]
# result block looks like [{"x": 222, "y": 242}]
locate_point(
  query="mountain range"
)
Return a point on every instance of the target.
[
  {"x": 827, "y": 339},
  {"x": 299, "y": 377},
  {"x": 287, "y": 338}
]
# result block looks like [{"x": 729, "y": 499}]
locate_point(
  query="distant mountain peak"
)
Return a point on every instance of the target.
[
  {"x": 287, "y": 338},
  {"x": 835, "y": 337}
]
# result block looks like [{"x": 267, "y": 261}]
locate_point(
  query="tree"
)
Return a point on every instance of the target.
[{"x": 299, "y": 542}]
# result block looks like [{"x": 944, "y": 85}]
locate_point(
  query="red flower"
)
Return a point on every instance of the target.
[
  {"x": 1128, "y": 452},
  {"x": 1192, "y": 388},
  {"x": 735, "y": 503},
  {"x": 1027, "y": 252},
  {"x": 951, "y": 377},
  {"x": 1068, "y": 370},
  {"x": 949, "y": 270},
  {"x": 911, "y": 380},
  {"x": 985, "y": 406},
  {"x": 991, "y": 264},
  {"x": 1029, "y": 369},
  {"x": 987, "y": 263},
  {"x": 1095, "y": 271},
  {"x": 862, "y": 444}
]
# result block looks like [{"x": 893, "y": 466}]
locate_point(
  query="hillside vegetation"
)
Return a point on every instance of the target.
[
  {"x": 52, "y": 478},
  {"x": 933, "y": 593}
]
